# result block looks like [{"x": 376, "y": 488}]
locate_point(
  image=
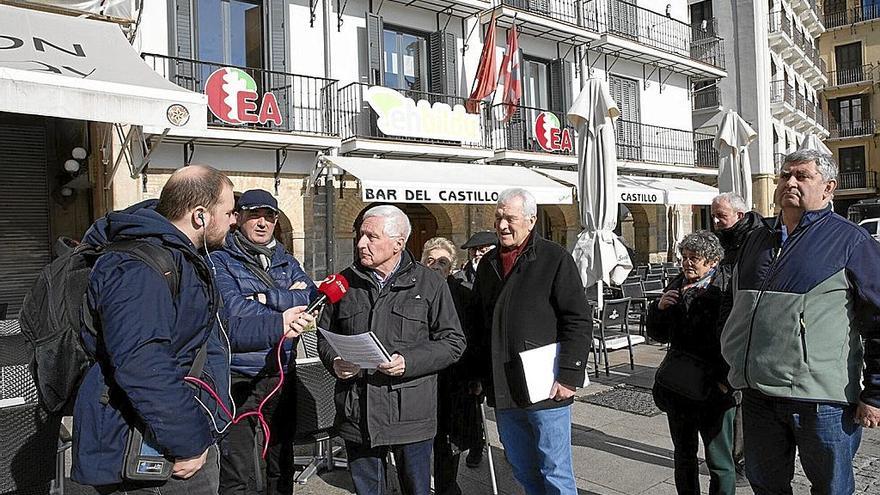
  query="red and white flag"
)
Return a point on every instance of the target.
[
  {"x": 509, "y": 76},
  {"x": 486, "y": 79}
]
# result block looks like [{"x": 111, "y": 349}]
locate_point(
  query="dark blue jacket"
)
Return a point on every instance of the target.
[
  {"x": 237, "y": 283},
  {"x": 802, "y": 309},
  {"x": 147, "y": 344}
]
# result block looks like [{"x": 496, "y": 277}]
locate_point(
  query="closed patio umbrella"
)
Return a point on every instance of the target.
[
  {"x": 599, "y": 254},
  {"x": 812, "y": 142},
  {"x": 732, "y": 142}
]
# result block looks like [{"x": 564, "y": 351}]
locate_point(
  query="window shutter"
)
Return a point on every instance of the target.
[
  {"x": 444, "y": 63},
  {"x": 423, "y": 80},
  {"x": 561, "y": 77},
  {"x": 278, "y": 84},
  {"x": 375, "y": 50},
  {"x": 183, "y": 44}
]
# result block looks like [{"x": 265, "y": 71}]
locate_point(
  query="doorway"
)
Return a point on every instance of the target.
[{"x": 423, "y": 222}]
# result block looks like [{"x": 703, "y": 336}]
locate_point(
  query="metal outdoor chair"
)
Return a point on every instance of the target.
[
  {"x": 652, "y": 285},
  {"x": 315, "y": 412},
  {"x": 639, "y": 302},
  {"x": 654, "y": 276},
  {"x": 613, "y": 316},
  {"x": 641, "y": 271}
]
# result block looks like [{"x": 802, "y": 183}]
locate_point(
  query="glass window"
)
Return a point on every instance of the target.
[
  {"x": 536, "y": 90},
  {"x": 230, "y": 32},
  {"x": 852, "y": 159},
  {"x": 405, "y": 60}
]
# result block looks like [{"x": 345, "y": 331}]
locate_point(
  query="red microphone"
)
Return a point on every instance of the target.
[{"x": 331, "y": 290}]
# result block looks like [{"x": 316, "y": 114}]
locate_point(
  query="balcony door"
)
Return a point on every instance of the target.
[
  {"x": 230, "y": 32},
  {"x": 405, "y": 60},
  {"x": 848, "y": 60},
  {"x": 852, "y": 167},
  {"x": 624, "y": 19},
  {"x": 849, "y": 114},
  {"x": 626, "y": 94}
]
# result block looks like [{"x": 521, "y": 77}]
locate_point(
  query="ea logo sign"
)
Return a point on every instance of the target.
[
  {"x": 549, "y": 134},
  {"x": 232, "y": 97}
]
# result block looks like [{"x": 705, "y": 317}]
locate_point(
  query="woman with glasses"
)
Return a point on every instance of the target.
[{"x": 691, "y": 383}]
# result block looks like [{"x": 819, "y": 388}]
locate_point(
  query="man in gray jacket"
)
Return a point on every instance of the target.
[{"x": 410, "y": 310}]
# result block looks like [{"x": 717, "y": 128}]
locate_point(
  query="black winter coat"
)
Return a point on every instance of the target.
[
  {"x": 690, "y": 326},
  {"x": 731, "y": 240},
  {"x": 412, "y": 315},
  {"x": 541, "y": 302}
]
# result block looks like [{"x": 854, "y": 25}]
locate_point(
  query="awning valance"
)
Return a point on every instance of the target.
[
  {"x": 412, "y": 181},
  {"x": 648, "y": 190},
  {"x": 68, "y": 67}
]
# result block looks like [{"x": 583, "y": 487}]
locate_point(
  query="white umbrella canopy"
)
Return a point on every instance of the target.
[
  {"x": 812, "y": 142},
  {"x": 599, "y": 254},
  {"x": 732, "y": 142},
  {"x": 675, "y": 231}
]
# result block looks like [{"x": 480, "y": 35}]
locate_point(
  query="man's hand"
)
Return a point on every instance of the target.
[
  {"x": 560, "y": 392},
  {"x": 395, "y": 367},
  {"x": 867, "y": 416},
  {"x": 669, "y": 298},
  {"x": 296, "y": 320},
  {"x": 298, "y": 285},
  {"x": 345, "y": 370},
  {"x": 185, "y": 468}
]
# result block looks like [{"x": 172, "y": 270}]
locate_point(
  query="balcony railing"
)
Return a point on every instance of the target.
[
  {"x": 857, "y": 180},
  {"x": 306, "y": 104},
  {"x": 358, "y": 119},
  {"x": 649, "y": 143},
  {"x": 800, "y": 102},
  {"x": 561, "y": 10},
  {"x": 855, "y": 128},
  {"x": 781, "y": 92},
  {"x": 851, "y": 75},
  {"x": 778, "y": 160},
  {"x": 518, "y": 132},
  {"x": 708, "y": 97},
  {"x": 780, "y": 22},
  {"x": 853, "y": 15},
  {"x": 810, "y": 108},
  {"x": 628, "y": 20}
]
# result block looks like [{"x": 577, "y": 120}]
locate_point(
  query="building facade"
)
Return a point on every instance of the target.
[
  {"x": 850, "y": 47},
  {"x": 775, "y": 74},
  {"x": 297, "y": 93}
]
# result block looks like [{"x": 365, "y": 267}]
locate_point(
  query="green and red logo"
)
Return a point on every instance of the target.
[
  {"x": 549, "y": 134},
  {"x": 232, "y": 97}
]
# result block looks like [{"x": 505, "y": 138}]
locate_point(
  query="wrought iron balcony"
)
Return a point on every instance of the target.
[
  {"x": 561, "y": 10},
  {"x": 780, "y": 22},
  {"x": 358, "y": 119},
  {"x": 857, "y": 180},
  {"x": 628, "y": 20},
  {"x": 781, "y": 92},
  {"x": 649, "y": 143},
  {"x": 853, "y": 15},
  {"x": 306, "y": 104},
  {"x": 708, "y": 97},
  {"x": 851, "y": 75},
  {"x": 519, "y": 132},
  {"x": 852, "y": 129}
]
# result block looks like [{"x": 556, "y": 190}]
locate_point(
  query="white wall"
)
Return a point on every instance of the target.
[{"x": 170, "y": 156}]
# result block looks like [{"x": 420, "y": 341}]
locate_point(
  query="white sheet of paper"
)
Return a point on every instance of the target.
[
  {"x": 540, "y": 366},
  {"x": 363, "y": 349}
]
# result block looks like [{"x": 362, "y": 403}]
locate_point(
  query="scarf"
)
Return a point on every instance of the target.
[
  {"x": 702, "y": 283},
  {"x": 261, "y": 254}
]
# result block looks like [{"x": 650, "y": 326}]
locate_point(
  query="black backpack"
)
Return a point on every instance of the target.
[{"x": 55, "y": 309}]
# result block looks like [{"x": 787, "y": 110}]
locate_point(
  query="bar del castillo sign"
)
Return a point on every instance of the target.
[
  {"x": 232, "y": 98},
  {"x": 549, "y": 133}
]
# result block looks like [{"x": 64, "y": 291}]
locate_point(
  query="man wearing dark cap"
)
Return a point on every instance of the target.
[
  {"x": 478, "y": 245},
  {"x": 256, "y": 276}
]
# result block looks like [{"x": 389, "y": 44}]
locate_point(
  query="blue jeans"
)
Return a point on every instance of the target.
[
  {"x": 538, "y": 446},
  {"x": 825, "y": 436},
  {"x": 367, "y": 466}
]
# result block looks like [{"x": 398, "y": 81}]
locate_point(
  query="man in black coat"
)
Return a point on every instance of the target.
[
  {"x": 410, "y": 310},
  {"x": 732, "y": 222},
  {"x": 528, "y": 294}
]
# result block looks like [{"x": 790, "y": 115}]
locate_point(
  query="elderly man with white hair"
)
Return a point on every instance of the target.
[
  {"x": 410, "y": 310},
  {"x": 528, "y": 294}
]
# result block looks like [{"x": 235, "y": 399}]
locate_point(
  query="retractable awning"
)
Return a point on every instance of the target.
[
  {"x": 648, "y": 190},
  {"x": 61, "y": 66},
  {"x": 411, "y": 181}
]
